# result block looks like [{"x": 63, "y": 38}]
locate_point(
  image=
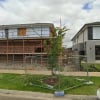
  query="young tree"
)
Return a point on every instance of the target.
[{"x": 56, "y": 47}]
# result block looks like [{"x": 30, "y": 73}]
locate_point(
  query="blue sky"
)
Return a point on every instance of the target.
[
  {"x": 73, "y": 13},
  {"x": 87, "y": 6},
  {"x": 2, "y": 0}
]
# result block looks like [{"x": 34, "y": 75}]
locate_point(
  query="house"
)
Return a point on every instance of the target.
[
  {"x": 87, "y": 42},
  {"x": 66, "y": 55},
  {"x": 24, "y": 42}
]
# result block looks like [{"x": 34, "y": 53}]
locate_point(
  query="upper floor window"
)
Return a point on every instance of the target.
[
  {"x": 96, "y": 32},
  {"x": 90, "y": 33}
]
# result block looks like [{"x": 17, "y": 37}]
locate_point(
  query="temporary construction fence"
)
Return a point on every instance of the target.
[{"x": 62, "y": 74}]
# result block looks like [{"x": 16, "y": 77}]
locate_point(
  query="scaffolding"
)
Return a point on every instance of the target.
[{"x": 27, "y": 40}]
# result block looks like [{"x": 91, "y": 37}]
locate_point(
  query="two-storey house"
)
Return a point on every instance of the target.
[
  {"x": 87, "y": 42},
  {"x": 22, "y": 42}
]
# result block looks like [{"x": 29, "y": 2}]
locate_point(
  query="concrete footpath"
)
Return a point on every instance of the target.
[
  {"x": 49, "y": 72},
  {"x": 43, "y": 96}
]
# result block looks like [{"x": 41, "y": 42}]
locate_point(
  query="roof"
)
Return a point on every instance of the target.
[
  {"x": 26, "y": 25},
  {"x": 85, "y": 26}
]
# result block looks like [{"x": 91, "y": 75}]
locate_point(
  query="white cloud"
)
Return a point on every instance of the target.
[{"x": 32, "y": 11}]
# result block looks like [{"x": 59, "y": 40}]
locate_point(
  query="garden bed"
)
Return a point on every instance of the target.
[{"x": 36, "y": 83}]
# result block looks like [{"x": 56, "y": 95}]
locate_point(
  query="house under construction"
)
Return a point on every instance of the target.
[{"x": 24, "y": 42}]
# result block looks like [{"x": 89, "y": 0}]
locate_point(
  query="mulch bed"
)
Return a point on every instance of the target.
[{"x": 50, "y": 80}]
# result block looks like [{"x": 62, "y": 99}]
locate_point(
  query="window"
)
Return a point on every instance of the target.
[
  {"x": 97, "y": 52},
  {"x": 90, "y": 33},
  {"x": 96, "y": 32},
  {"x": 82, "y": 52}
]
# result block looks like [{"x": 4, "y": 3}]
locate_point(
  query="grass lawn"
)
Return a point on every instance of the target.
[
  {"x": 87, "y": 89},
  {"x": 17, "y": 82},
  {"x": 91, "y": 67}
]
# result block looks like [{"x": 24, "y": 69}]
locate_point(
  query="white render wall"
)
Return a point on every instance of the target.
[
  {"x": 75, "y": 41},
  {"x": 83, "y": 37},
  {"x": 90, "y": 49},
  {"x": 80, "y": 38}
]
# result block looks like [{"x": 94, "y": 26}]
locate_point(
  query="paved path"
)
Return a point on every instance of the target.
[
  {"x": 8, "y": 97},
  {"x": 24, "y": 95},
  {"x": 49, "y": 72}
]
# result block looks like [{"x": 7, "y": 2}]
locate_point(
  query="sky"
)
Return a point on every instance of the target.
[{"x": 73, "y": 13}]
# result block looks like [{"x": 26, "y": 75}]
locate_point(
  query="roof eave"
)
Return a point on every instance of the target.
[
  {"x": 85, "y": 26},
  {"x": 27, "y": 25}
]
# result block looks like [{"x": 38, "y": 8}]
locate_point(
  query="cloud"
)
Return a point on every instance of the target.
[{"x": 74, "y": 13}]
